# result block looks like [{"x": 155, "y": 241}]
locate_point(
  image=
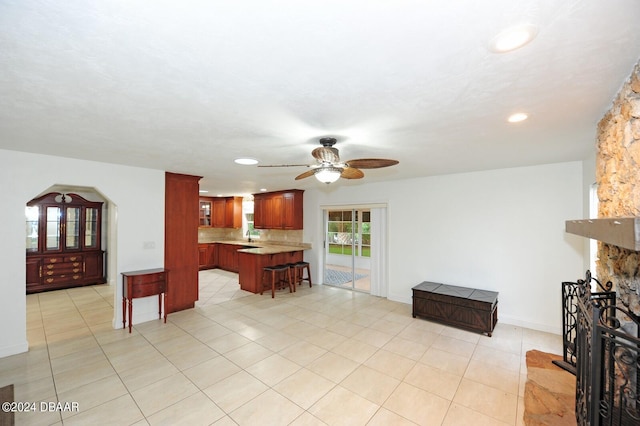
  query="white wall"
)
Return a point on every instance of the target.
[
  {"x": 136, "y": 210},
  {"x": 588, "y": 179},
  {"x": 500, "y": 230}
]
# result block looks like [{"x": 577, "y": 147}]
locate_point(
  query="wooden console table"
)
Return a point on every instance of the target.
[
  {"x": 143, "y": 283},
  {"x": 463, "y": 307}
]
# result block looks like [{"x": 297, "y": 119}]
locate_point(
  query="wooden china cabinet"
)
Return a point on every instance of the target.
[{"x": 63, "y": 242}]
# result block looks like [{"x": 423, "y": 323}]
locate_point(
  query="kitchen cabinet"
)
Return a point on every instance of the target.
[
  {"x": 278, "y": 210},
  {"x": 63, "y": 242},
  {"x": 205, "y": 212},
  {"x": 220, "y": 212},
  {"x": 228, "y": 257},
  {"x": 233, "y": 212},
  {"x": 207, "y": 256}
]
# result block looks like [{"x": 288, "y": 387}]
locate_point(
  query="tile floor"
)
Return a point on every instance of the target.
[{"x": 322, "y": 355}]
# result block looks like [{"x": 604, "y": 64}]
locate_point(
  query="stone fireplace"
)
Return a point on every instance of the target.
[
  {"x": 607, "y": 332},
  {"x": 618, "y": 180}
]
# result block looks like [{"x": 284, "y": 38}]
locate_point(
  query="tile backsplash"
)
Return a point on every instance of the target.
[{"x": 275, "y": 236}]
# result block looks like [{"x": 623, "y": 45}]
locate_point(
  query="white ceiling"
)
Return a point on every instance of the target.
[{"x": 187, "y": 86}]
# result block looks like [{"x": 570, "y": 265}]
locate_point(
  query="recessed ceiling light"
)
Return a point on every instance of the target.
[
  {"x": 263, "y": 189},
  {"x": 203, "y": 191},
  {"x": 517, "y": 117},
  {"x": 513, "y": 38},
  {"x": 246, "y": 161}
]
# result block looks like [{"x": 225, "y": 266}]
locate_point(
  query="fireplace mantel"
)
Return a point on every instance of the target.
[{"x": 620, "y": 231}]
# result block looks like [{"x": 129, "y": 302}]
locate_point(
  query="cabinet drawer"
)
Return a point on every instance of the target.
[
  {"x": 147, "y": 289},
  {"x": 144, "y": 279},
  {"x": 74, "y": 258},
  {"x": 66, "y": 269},
  {"x": 63, "y": 278},
  {"x": 53, "y": 260},
  {"x": 62, "y": 266}
]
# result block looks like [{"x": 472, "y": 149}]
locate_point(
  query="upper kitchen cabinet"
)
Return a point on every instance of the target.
[
  {"x": 205, "y": 212},
  {"x": 278, "y": 210},
  {"x": 63, "y": 242},
  {"x": 221, "y": 212},
  {"x": 233, "y": 212}
]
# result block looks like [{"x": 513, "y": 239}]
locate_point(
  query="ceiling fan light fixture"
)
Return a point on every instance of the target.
[{"x": 328, "y": 174}]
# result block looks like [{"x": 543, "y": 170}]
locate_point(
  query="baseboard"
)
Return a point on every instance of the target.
[{"x": 506, "y": 319}]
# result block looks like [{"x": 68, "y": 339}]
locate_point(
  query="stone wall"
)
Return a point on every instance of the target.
[{"x": 618, "y": 179}]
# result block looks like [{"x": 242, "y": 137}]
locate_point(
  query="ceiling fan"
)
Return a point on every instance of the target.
[{"x": 329, "y": 168}]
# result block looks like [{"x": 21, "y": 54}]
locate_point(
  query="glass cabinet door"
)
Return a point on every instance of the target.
[
  {"x": 205, "y": 213},
  {"x": 72, "y": 231},
  {"x": 52, "y": 228},
  {"x": 91, "y": 228},
  {"x": 32, "y": 214}
]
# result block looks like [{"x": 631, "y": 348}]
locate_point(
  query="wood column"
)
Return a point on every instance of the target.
[{"x": 181, "y": 240}]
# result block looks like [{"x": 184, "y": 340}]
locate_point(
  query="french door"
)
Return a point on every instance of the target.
[{"x": 348, "y": 249}]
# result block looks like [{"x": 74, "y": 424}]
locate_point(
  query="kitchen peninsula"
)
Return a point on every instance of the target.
[
  {"x": 250, "y": 257},
  {"x": 252, "y": 260}
]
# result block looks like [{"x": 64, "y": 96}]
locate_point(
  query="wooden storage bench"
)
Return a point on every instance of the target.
[{"x": 463, "y": 307}]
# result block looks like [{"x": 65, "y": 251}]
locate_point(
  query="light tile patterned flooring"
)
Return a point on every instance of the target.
[{"x": 322, "y": 355}]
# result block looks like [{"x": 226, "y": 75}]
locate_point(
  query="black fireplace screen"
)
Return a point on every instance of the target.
[{"x": 607, "y": 359}]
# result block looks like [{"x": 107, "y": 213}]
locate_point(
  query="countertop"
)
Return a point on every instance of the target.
[{"x": 262, "y": 247}]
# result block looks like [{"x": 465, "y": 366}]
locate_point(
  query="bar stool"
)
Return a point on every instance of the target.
[
  {"x": 299, "y": 268},
  {"x": 293, "y": 271},
  {"x": 277, "y": 275}
]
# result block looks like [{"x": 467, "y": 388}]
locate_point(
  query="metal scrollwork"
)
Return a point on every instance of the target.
[{"x": 608, "y": 359}]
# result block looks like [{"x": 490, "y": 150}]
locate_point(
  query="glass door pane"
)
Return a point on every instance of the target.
[
  {"x": 205, "y": 213},
  {"x": 32, "y": 214},
  {"x": 72, "y": 240},
  {"x": 348, "y": 249},
  {"x": 91, "y": 228},
  {"x": 53, "y": 229}
]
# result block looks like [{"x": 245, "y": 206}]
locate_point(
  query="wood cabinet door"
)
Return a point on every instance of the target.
[
  {"x": 218, "y": 215},
  {"x": 203, "y": 255},
  {"x": 204, "y": 215},
  {"x": 93, "y": 267},
  {"x": 233, "y": 214},
  {"x": 213, "y": 255},
  {"x": 274, "y": 212},
  {"x": 259, "y": 221},
  {"x": 34, "y": 266},
  {"x": 292, "y": 211}
]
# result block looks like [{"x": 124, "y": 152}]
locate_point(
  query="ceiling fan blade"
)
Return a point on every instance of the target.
[
  {"x": 371, "y": 163},
  {"x": 286, "y": 165},
  {"x": 351, "y": 173},
  {"x": 326, "y": 154},
  {"x": 306, "y": 174}
]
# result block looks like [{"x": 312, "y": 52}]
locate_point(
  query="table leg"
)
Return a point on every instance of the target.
[
  {"x": 124, "y": 312},
  {"x": 130, "y": 313},
  {"x": 165, "y": 307}
]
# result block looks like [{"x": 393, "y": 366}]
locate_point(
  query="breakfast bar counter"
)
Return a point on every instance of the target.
[{"x": 252, "y": 261}]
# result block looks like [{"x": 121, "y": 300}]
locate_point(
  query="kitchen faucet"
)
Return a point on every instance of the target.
[{"x": 249, "y": 235}]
